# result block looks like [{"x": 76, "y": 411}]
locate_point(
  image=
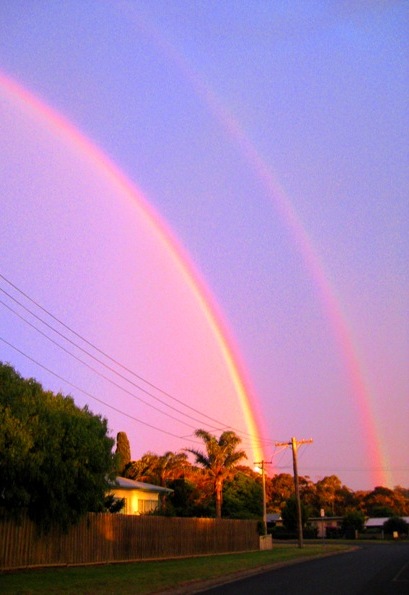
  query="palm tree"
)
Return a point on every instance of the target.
[
  {"x": 144, "y": 469},
  {"x": 156, "y": 469},
  {"x": 171, "y": 465},
  {"x": 219, "y": 459}
]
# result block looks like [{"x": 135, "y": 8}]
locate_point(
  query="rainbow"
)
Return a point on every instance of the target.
[
  {"x": 330, "y": 302},
  {"x": 62, "y": 127},
  {"x": 313, "y": 263}
]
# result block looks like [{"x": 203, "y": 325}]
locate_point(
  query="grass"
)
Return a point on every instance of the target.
[{"x": 151, "y": 576}]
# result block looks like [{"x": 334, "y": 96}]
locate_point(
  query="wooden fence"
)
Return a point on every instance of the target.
[{"x": 104, "y": 538}]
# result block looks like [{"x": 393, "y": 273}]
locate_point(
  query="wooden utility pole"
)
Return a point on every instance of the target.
[
  {"x": 294, "y": 446},
  {"x": 261, "y": 464}
]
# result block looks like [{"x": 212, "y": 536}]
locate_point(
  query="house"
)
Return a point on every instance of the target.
[
  {"x": 375, "y": 525},
  {"x": 274, "y": 519},
  {"x": 140, "y": 497},
  {"x": 327, "y": 526}
]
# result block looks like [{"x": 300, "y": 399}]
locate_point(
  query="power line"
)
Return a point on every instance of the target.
[
  {"x": 112, "y": 381},
  {"x": 109, "y": 379},
  {"x": 87, "y": 393},
  {"x": 93, "y": 347},
  {"x": 165, "y": 393},
  {"x": 88, "y": 354}
]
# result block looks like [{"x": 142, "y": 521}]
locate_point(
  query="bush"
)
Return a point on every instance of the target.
[
  {"x": 283, "y": 533},
  {"x": 310, "y": 532}
]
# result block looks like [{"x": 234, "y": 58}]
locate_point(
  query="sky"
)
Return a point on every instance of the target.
[{"x": 205, "y": 222}]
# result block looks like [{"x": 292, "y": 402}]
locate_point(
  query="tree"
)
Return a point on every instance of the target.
[
  {"x": 144, "y": 469},
  {"x": 401, "y": 498},
  {"x": 56, "y": 460},
  {"x": 123, "y": 451},
  {"x": 353, "y": 521},
  {"x": 282, "y": 488},
  {"x": 383, "y": 502},
  {"x": 243, "y": 495},
  {"x": 290, "y": 516},
  {"x": 345, "y": 501},
  {"x": 404, "y": 494},
  {"x": 171, "y": 465},
  {"x": 187, "y": 499},
  {"x": 327, "y": 490},
  {"x": 308, "y": 493},
  {"x": 220, "y": 458},
  {"x": 397, "y": 524},
  {"x": 158, "y": 469}
]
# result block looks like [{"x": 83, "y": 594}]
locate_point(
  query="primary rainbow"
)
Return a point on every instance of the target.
[{"x": 62, "y": 127}]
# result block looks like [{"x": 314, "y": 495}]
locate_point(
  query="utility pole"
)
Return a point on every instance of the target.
[
  {"x": 261, "y": 464},
  {"x": 294, "y": 446}
]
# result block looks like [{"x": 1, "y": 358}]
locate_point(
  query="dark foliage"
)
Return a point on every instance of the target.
[
  {"x": 186, "y": 501},
  {"x": 289, "y": 514},
  {"x": 112, "y": 504},
  {"x": 55, "y": 459},
  {"x": 123, "y": 452},
  {"x": 242, "y": 497},
  {"x": 352, "y": 522},
  {"x": 397, "y": 524}
]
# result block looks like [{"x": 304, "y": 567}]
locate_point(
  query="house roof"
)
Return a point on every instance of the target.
[
  {"x": 273, "y": 517},
  {"x": 325, "y": 518},
  {"x": 129, "y": 484},
  {"x": 378, "y": 522}
]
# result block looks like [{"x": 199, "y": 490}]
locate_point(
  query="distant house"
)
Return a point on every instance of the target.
[
  {"x": 327, "y": 526},
  {"x": 140, "y": 497},
  {"x": 274, "y": 519},
  {"x": 375, "y": 525}
]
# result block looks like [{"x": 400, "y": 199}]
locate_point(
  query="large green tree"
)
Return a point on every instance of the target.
[
  {"x": 219, "y": 459},
  {"x": 56, "y": 459},
  {"x": 243, "y": 495}
]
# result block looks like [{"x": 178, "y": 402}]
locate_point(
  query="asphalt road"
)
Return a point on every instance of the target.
[{"x": 373, "y": 569}]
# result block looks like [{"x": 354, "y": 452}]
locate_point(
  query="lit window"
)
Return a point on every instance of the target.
[{"x": 145, "y": 506}]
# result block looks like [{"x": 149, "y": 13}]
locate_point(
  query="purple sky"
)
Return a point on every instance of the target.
[{"x": 272, "y": 139}]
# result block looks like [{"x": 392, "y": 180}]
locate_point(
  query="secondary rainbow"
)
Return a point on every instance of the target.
[{"x": 314, "y": 265}]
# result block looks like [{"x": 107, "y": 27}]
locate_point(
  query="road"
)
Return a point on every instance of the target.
[{"x": 374, "y": 569}]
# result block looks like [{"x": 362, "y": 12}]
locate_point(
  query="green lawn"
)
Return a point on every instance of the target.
[{"x": 150, "y": 577}]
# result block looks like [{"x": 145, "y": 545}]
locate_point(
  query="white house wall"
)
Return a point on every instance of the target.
[{"x": 136, "y": 502}]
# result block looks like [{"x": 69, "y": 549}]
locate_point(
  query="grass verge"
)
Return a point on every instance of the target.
[{"x": 151, "y": 576}]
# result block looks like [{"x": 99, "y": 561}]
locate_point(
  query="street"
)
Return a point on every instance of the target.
[{"x": 373, "y": 569}]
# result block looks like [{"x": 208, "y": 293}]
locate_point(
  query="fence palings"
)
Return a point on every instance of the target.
[{"x": 103, "y": 538}]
